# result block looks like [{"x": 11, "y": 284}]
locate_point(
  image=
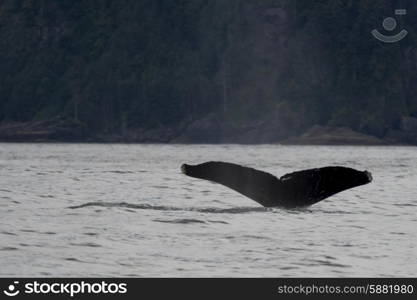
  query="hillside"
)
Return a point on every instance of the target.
[{"x": 217, "y": 71}]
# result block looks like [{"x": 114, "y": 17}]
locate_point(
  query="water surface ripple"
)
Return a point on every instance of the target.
[{"x": 126, "y": 210}]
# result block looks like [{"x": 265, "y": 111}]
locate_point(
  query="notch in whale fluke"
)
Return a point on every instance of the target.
[{"x": 301, "y": 188}]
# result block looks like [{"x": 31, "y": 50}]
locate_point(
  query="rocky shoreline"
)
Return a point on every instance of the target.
[
  {"x": 209, "y": 130},
  {"x": 53, "y": 130}
]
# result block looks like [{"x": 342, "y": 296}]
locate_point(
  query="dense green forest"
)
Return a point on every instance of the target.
[{"x": 116, "y": 67}]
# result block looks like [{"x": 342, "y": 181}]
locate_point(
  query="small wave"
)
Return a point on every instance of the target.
[
  {"x": 73, "y": 259},
  {"x": 28, "y": 230},
  {"x": 236, "y": 210},
  {"x": 288, "y": 268},
  {"x": 324, "y": 262},
  {"x": 339, "y": 212},
  {"x": 180, "y": 221},
  {"x": 92, "y": 245},
  {"x": 405, "y": 204},
  {"x": 189, "y": 221},
  {"x": 402, "y": 166},
  {"x": 246, "y": 237},
  {"x": 9, "y": 249},
  {"x": 219, "y": 222},
  {"x": 125, "y": 205},
  {"x": 90, "y": 233},
  {"x": 217, "y": 201},
  {"x": 161, "y": 186},
  {"x": 7, "y": 233}
]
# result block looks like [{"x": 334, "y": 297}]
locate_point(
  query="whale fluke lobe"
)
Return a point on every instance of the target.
[
  {"x": 301, "y": 188},
  {"x": 252, "y": 183}
]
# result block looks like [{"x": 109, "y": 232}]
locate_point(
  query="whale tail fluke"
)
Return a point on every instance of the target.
[{"x": 295, "y": 189}]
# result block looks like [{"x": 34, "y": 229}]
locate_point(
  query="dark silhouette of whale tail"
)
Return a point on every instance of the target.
[{"x": 295, "y": 189}]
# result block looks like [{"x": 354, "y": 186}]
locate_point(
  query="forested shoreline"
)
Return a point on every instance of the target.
[{"x": 206, "y": 71}]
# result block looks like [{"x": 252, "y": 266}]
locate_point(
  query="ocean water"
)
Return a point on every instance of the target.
[{"x": 139, "y": 216}]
